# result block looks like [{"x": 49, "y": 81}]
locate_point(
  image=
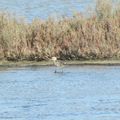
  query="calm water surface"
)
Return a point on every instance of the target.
[
  {"x": 31, "y": 9},
  {"x": 44, "y": 8},
  {"x": 80, "y": 93}
]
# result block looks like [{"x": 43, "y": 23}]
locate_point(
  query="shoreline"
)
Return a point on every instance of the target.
[{"x": 4, "y": 63}]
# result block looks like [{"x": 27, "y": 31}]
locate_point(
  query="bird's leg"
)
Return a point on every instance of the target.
[
  {"x": 55, "y": 70},
  {"x": 62, "y": 70}
]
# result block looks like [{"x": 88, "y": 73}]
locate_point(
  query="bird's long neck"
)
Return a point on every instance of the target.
[{"x": 54, "y": 61}]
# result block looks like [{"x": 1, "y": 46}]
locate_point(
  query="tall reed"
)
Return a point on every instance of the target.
[{"x": 73, "y": 38}]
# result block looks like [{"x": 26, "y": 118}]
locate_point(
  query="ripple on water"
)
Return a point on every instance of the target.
[
  {"x": 78, "y": 94},
  {"x": 44, "y": 8}
]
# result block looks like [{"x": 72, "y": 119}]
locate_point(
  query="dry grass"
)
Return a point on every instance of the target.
[{"x": 75, "y": 38}]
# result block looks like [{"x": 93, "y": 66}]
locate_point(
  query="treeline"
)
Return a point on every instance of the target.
[{"x": 73, "y": 38}]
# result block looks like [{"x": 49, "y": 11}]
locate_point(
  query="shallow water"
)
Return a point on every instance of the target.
[
  {"x": 80, "y": 93},
  {"x": 44, "y": 8}
]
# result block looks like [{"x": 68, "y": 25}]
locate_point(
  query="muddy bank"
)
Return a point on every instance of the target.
[{"x": 50, "y": 63}]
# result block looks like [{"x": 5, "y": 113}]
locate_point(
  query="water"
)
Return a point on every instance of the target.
[
  {"x": 80, "y": 93},
  {"x": 42, "y": 9},
  {"x": 31, "y": 9}
]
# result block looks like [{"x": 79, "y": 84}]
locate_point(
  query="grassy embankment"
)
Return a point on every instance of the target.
[{"x": 84, "y": 40}]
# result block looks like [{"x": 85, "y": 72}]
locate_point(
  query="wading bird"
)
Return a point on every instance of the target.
[{"x": 58, "y": 64}]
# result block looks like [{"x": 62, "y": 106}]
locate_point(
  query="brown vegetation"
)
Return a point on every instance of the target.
[{"x": 78, "y": 38}]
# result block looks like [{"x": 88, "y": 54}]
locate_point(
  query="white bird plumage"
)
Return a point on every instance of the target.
[{"x": 57, "y": 63}]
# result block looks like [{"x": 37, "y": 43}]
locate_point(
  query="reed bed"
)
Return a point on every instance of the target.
[{"x": 73, "y": 38}]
